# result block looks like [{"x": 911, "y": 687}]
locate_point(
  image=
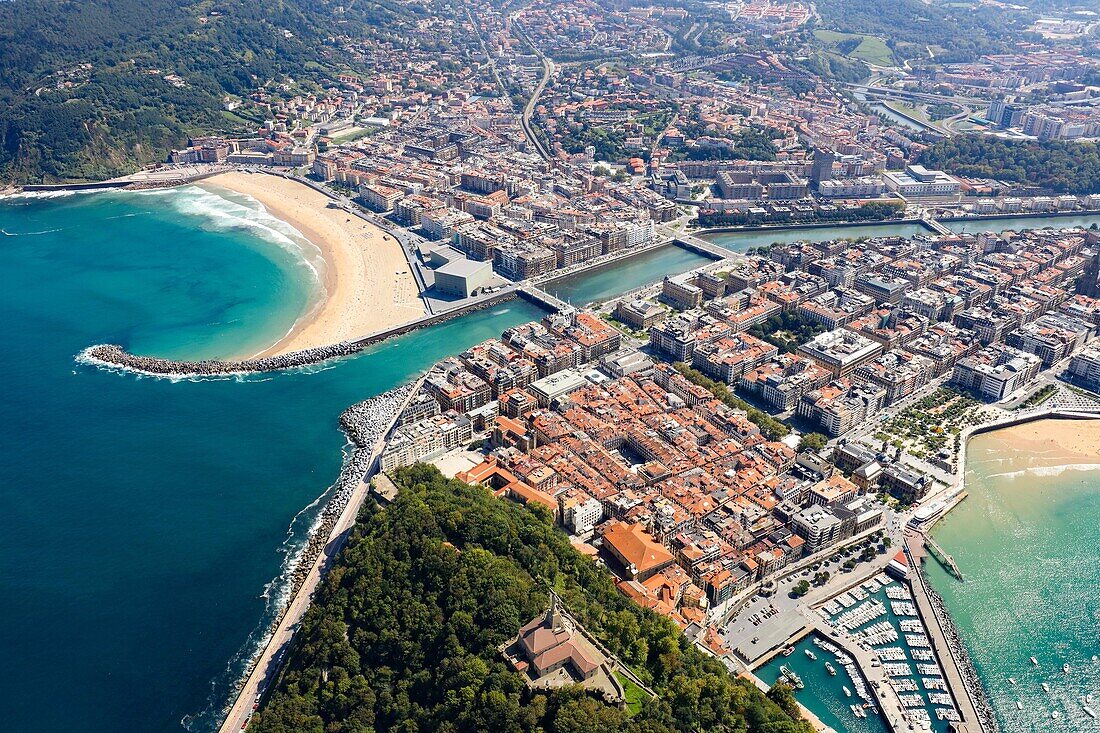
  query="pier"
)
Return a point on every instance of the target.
[
  {"x": 962, "y": 679},
  {"x": 886, "y": 698},
  {"x": 942, "y": 556},
  {"x": 114, "y": 356}
]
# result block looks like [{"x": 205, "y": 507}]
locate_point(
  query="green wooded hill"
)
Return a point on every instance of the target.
[
  {"x": 955, "y": 32},
  {"x": 82, "y": 87},
  {"x": 1060, "y": 165},
  {"x": 403, "y": 633}
]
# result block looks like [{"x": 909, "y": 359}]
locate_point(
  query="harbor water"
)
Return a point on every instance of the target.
[
  {"x": 879, "y": 613},
  {"x": 1025, "y": 538},
  {"x": 823, "y": 694},
  {"x": 146, "y": 522}
]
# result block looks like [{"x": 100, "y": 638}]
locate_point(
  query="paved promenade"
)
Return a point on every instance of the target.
[
  {"x": 878, "y": 683},
  {"x": 958, "y": 683},
  {"x": 272, "y": 657}
]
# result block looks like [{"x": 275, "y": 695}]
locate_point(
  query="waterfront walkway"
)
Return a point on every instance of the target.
[
  {"x": 958, "y": 682},
  {"x": 878, "y": 683},
  {"x": 271, "y": 658}
]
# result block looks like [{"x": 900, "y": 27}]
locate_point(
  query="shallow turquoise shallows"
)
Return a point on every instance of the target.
[
  {"x": 1025, "y": 539},
  {"x": 144, "y": 522}
]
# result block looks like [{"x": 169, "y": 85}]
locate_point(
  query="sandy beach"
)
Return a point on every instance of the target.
[
  {"x": 1055, "y": 441},
  {"x": 367, "y": 279}
]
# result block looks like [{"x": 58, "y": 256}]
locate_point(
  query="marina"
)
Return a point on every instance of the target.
[
  {"x": 874, "y": 633},
  {"x": 222, "y": 425}
]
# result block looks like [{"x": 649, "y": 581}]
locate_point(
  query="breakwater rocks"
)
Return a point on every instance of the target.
[
  {"x": 366, "y": 424},
  {"x": 113, "y": 356},
  {"x": 987, "y": 719}
]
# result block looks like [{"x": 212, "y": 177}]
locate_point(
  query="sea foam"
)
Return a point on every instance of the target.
[
  {"x": 222, "y": 213},
  {"x": 1047, "y": 471}
]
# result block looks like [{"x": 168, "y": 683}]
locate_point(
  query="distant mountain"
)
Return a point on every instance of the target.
[{"x": 94, "y": 88}]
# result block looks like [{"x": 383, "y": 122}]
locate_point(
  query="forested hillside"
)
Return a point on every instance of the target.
[
  {"x": 912, "y": 27},
  {"x": 83, "y": 87},
  {"x": 403, "y": 634},
  {"x": 1062, "y": 166}
]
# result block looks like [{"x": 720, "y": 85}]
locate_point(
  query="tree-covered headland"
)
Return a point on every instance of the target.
[{"x": 403, "y": 634}]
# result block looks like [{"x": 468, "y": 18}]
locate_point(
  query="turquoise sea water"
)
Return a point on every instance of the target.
[
  {"x": 823, "y": 694},
  {"x": 142, "y": 521},
  {"x": 1025, "y": 539}
]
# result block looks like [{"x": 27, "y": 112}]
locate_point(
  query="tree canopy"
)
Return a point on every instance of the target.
[
  {"x": 403, "y": 634},
  {"x": 1059, "y": 165}
]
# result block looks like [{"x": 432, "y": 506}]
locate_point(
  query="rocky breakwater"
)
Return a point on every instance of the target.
[
  {"x": 114, "y": 356},
  {"x": 987, "y": 719},
  {"x": 366, "y": 424}
]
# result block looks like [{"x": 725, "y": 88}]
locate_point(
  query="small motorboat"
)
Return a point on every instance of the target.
[{"x": 1035, "y": 661}]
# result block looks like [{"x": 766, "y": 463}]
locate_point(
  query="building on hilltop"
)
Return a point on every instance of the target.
[{"x": 553, "y": 651}]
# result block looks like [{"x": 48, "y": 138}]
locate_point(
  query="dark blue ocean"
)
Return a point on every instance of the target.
[{"x": 145, "y": 523}]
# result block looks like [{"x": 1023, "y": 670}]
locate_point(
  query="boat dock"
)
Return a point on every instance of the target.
[
  {"x": 942, "y": 555},
  {"x": 962, "y": 680},
  {"x": 886, "y": 698}
]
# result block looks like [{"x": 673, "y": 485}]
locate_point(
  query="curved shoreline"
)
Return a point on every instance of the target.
[
  {"x": 366, "y": 424},
  {"x": 366, "y": 280},
  {"x": 987, "y": 716}
]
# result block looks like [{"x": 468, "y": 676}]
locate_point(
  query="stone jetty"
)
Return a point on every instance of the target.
[
  {"x": 366, "y": 425},
  {"x": 987, "y": 719},
  {"x": 114, "y": 356}
]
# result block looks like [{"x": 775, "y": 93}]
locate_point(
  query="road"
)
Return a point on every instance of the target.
[
  {"x": 274, "y": 654},
  {"x": 525, "y": 118}
]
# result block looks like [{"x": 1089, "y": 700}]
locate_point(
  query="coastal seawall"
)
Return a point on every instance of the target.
[
  {"x": 114, "y": 356},
  {"x": 367, "y": 424}
]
